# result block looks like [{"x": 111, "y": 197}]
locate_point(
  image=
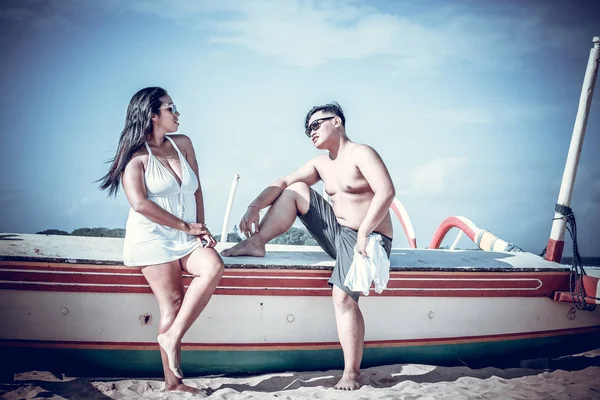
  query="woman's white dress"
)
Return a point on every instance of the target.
[{"x": 149, "y": 243}]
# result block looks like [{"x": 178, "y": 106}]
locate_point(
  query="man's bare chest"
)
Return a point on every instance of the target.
[{"x": 343, "y": 177}]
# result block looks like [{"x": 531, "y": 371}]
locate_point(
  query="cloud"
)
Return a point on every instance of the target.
[
  {"x": 78, "y": 205},
  {"x": 491, "y": 113},
  {"x": 310, "y": 33},
  {"x": 463, "y": 116},
  {"x": 306, "y": 33},
  {"x": 47, "y": 16},
  {"x": 434, "y": 177},
  {"x": 8, "y": 197},
  {"x": 586, "y": 194},
  {"x": 16, "y": 14}
]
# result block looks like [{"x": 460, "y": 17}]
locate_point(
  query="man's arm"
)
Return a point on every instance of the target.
[
  {"x": 375, "y": 172},
  {"x": 307, "y": 173}
]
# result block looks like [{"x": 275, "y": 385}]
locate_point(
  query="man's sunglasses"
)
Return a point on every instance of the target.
[
  {"x": 171, "y": 107},
  {"x": 316, "y": 124}
]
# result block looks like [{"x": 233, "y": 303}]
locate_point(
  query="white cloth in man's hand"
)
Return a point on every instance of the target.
[{"x": 375, "y": 268}]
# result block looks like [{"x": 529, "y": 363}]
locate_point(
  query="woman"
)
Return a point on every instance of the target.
[{"x": 165, "y": 231}]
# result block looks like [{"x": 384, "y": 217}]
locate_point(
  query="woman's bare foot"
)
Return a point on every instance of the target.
[
  {"x": 248, "y": 247},
  {"x": 181, "y": 387},
  {"x": 169, "y": 345},
  {"x": 349, "y": 381}
]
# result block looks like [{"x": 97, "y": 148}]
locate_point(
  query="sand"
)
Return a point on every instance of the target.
[{"x": 572, "y": 377}]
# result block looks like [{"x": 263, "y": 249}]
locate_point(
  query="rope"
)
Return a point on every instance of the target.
[
  {"x": 513, "y": 248},
  {"x": 577, "y": 272}
]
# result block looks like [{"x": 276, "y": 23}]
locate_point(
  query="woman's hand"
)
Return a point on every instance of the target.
[
  {"x": 207, "y": 240},
  {"x": 251, "y": 217},
  {"x": 195, "y": 229},
  {"x": 201, "y": 232}
]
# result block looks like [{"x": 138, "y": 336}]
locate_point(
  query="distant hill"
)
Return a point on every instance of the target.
[
  {"x": 295, "y": 236},
  {"x": 94, "y": 232},
  {"x": 53, "y": 232}
]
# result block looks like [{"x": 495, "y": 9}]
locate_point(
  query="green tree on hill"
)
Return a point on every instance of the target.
[
  {"x": 232, "y": 237},
  {"x": 53, "y": 232},
  {"x": 295, "y": 236},
  {"x": 99, "y": 232}
]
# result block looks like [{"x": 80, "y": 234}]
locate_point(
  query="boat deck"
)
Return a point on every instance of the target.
[{"x": 108, "y": 251}]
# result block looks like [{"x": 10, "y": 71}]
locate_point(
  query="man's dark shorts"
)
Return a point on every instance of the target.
[{"x": 338, "y": 241}]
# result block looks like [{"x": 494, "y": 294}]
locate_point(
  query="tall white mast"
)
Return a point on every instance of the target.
[{"x": 556, "y": 242}]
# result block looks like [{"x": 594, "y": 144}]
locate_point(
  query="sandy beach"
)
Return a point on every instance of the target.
[{"x": 571, "y": 377}]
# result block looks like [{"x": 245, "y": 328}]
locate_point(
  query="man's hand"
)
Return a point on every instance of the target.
[
  {"x": 361, "y": 244},
  {"x": 251, "y": 217}
]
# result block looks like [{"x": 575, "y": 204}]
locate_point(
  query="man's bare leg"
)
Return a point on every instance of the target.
[
  {"x": 351, "y": 332},
  {"x": 280, "y": 217}
]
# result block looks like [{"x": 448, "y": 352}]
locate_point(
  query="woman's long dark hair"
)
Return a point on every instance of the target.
[{"x": 138, "y": 123}]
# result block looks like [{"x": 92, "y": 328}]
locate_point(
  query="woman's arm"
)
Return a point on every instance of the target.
[
  {"x": 184, "y": 142},
  {"x": 187, "y": 148}
]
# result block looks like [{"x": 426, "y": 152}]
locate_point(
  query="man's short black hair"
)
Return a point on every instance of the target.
[{"x": 331, "y": 108}]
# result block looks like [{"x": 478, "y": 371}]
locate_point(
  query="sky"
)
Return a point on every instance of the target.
[{"x": 470, "y": 104}]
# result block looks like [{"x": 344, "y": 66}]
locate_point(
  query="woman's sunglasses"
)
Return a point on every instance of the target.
[
  {"x": 316, "y": 124},
  {"x": 171, "y": 107}
]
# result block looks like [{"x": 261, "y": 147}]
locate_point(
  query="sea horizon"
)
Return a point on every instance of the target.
[{"x": 593, "y": 261}]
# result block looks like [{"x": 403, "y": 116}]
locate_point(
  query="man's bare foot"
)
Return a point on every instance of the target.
[
  {"x": 349, "y": 381},
  {"x": 248, "y": 247},
  {"x": 169, "y": 345},
  {"x": 181, "y": 387}
]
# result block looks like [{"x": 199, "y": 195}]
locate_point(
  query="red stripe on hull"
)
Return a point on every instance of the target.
[
  {"x": 288, "y": 282},
  {"x": 412, "y": 282}
]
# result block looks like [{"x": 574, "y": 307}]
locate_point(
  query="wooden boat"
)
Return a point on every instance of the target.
[{"x": 67, "y": 304}]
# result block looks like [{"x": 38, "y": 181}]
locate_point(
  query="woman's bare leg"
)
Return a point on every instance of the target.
[
  {"x": 280, "y": 217},
  {"x": 167, "y": 285},
  {"x": 207, "y": 267}
]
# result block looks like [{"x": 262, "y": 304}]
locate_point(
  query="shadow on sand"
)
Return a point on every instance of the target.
[
  {"x": 391, "y": 375},
  {"x": 4, "y": 236},
  {"x": 50, "y": 385},
  {"x": 47, "y": 385}
]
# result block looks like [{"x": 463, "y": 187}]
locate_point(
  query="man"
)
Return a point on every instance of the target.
[{"x": 361, "y": 192}]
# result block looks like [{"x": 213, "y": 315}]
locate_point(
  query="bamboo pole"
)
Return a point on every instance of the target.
[
  {"x": 557, "y": 234},
  {"x": 234, "y": 184}
]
